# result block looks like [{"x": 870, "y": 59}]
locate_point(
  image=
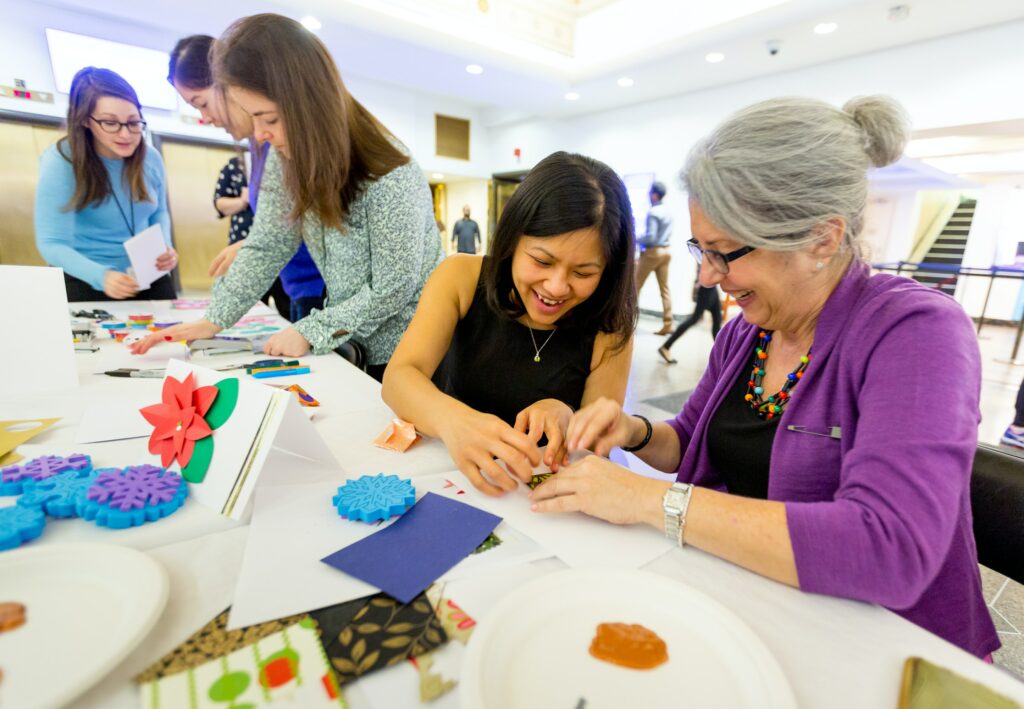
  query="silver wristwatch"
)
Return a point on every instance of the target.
[{"x": 674, "y": 505}]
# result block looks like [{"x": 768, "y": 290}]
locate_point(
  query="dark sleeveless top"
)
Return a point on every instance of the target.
[{"x": 489, "y": 365}]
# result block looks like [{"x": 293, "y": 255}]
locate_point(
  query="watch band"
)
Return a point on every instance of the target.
[{"x": 675, "y": 503}]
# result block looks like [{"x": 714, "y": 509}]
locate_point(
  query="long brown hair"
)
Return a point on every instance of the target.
[
  {"x": 335, "y": 145},
  {"x": 92, "y": 181}
]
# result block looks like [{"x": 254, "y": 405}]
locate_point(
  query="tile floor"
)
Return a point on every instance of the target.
[{"x": 657, "y": 390}]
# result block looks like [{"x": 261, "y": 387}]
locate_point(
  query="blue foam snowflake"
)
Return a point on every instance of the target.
[
  {"x": 131, "y": 497},
  {"x": 374, "y": 497},
  {"x": 13, "y": 477},
  {"x": 58, "y": 496},
  {"x": 19, "y": 525}
]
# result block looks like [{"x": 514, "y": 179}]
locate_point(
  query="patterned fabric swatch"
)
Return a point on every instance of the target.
[
  {"x": 537, "y": 480},
  {"x": 211, "y": 641},
  {"x": 369, "y": 634}
]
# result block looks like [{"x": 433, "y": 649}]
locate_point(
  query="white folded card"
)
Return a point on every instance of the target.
[{"x": 143, "y": 250}]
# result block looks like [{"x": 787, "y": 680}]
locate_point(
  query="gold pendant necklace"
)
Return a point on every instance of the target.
[{"x": 536, "y": 356}]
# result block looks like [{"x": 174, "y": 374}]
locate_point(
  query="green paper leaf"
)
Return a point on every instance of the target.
[
  {"x": 224, "y": 405},
  {"x": 197, "y": 466}
]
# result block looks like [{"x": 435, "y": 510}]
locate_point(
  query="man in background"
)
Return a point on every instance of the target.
[
  {"x": 655, "y": 254},
  {"x": 466, "y": 234}
]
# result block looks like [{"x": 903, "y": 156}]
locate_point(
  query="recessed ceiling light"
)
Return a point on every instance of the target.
[
  {"x": 825, "y": 28},
  {"x": 474, "y": 69},
  {"x": 572, "y": 96},
  {"x": 625, "y": 82},
  {"x": 310, "y": 23},
  {"x": 437, "y": 176},
  {"x": 714, "y": 57}
]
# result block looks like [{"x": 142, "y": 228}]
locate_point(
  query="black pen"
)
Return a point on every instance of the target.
[{"x": 139, "y": 373}]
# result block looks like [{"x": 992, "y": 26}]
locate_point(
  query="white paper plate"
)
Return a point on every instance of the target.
[
  {"x": 87, "y": 607},
  {"x": 532, "y": 650}
]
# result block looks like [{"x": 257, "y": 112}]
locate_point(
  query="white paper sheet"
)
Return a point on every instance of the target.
[
  {"x": 292, "y": 528},
  {"x": 143, "y": 250},
  {"x": 575, "y": 538},
  {"x": 116, "y": 419},
  {"x": 37, "y": 354},
  {"x": 118, "y": 356}
]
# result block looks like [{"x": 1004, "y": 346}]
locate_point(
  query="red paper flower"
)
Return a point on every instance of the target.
[{"x": 178, "y": 420}]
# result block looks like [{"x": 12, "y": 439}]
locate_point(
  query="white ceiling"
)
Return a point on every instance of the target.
[{"x": 534, "y": 51}]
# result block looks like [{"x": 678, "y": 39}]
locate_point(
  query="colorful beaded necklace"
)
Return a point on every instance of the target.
[{"x": 772, "y": 406}]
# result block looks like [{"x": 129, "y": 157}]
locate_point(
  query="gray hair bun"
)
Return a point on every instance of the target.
[{"x": 885, "y": 125}]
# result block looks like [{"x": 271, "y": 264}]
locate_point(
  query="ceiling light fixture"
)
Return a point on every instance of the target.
[
  {"x": 474, "y": 69},
  {"x": 310, "y": 23},
  {"x": 437, "y": 176},
  {"x": 714, "y": 57},
  {"x": 625, "y": 82},
  {"x": 572, "y": 96},
  {"x": 825, "y": 28}
]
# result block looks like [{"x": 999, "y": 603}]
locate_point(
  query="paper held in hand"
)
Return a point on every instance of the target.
[{"x": 143, "y": 250}]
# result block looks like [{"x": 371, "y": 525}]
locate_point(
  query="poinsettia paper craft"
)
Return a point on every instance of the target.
[{"x": 184, "y": 421}]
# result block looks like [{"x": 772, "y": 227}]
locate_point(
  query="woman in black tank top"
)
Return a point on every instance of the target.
[{"x": 503, "y": 348}]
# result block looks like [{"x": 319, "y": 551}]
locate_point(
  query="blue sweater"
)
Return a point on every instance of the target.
[{"x": 90, "y": 242}]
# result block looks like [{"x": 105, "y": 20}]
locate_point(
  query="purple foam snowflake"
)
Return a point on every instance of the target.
[
  {"x": 136, "y": 487},
  {"x": 13, "y": 477}
]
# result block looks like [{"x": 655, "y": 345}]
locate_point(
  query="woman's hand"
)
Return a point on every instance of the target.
[
  {"x": 547, "y": 417},
  {"x": 474, "y": 440},
  {"x": 167, "y": 260},
  {"x": 287, "y": 343},
  {"x": 601, "y": 426},
  {"x": 600, "y": 488},
  {"x": 222, "y": 261},
  {"x": 119, "y": 285},
  {"x": 198, "y": 330}
]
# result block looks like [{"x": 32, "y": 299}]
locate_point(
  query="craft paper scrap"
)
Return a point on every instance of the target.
[
  {"x": 398, "y": 436},
  {"x": 406, "y": 557},
  {"x": 14, "y": 433},
  {"x": 111, "y": 419},
  {"x": 288, "y": 667},
  {"x": 210, "y": 642},
  {"x": 578, "y": 540},
  {"x": 373, "y": 633},
  {"x": 143, "y": 250}
]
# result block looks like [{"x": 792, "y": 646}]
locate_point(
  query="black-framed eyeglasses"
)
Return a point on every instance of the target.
[
  {"x": 718, "y": 260},
  {"x": 109, "y": 125}
]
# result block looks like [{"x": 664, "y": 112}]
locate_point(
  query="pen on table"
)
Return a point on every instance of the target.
[{"x": 137, "y": 373}]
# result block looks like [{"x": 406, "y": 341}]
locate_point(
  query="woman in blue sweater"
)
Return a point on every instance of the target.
[{"x": 98, "y": 187}]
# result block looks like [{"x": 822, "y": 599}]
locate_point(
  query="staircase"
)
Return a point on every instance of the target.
[{"x": 948, "y": 250}]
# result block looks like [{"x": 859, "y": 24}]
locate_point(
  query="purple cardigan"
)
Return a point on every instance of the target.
[{"x": 882, "y": 514}]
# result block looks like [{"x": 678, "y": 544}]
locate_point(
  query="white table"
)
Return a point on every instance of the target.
[{"x": 834, "y": 652}]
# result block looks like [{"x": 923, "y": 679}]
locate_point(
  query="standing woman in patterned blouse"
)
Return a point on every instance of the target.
[{"x": 336, "y": 180}]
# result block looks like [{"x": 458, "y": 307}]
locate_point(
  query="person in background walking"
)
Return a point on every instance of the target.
[
  {"x": 466, "y": 234},
  {"x": 705, "y": 299},
  {"x": 1014, "y": 434},
  {"x": 655, "y": 254}
]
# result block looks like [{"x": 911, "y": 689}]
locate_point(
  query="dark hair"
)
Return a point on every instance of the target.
[
  {"x": 658, "y": 188},
  {"x": 92, "y": 181},
  {"x": 566, "y": 192},
  {"x": 335, "y": 146},
  {"x": 190, "y": 62}
]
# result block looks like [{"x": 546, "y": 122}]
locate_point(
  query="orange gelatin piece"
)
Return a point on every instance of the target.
[
  {"x": 628, "y": 645},
  {"x": 12, "y": 615}
]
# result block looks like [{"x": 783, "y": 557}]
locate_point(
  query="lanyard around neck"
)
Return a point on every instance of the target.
[{"x": 130, "y": 226}]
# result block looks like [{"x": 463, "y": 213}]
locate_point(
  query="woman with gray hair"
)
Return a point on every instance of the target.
[{"x": 829, "y": 443}]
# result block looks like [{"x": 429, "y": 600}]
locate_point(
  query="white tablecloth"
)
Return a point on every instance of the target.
[{"x": 834, "y": 652}]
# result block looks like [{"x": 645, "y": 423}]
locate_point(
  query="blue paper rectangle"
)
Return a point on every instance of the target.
[{"x": 404, "y": 559}]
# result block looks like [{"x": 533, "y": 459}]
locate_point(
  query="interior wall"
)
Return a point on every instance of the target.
[
  {"x": 199, "y": 233},
  {"x": 21, "y": 144}
]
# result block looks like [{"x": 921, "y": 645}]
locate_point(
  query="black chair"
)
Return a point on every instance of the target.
[
  {"x": 997, "y": 503},
  {"x": 354, "y": 352}
]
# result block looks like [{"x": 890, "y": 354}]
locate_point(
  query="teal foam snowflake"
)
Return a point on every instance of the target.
[
  {"x": 58, "y": 496},
  {"x": 374, "y": 497}
]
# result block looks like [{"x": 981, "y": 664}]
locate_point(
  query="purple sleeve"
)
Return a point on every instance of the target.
[
  {"x": 258, "y": 153},
  {"x": 884, "y": 535}
]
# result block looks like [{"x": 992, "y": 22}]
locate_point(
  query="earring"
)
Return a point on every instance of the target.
[{"x": 820, "y": 265}]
